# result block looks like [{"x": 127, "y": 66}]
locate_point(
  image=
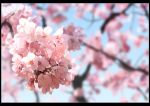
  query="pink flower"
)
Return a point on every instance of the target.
[
  {"x": 116, "y": 82},
  {"x": 101, "y": 12},
  {"x": 124, "y": 46},
  {"x": 9, "y": 79},
  {"x": 136, "y": 96},
  {"x": 121, "y": 6},
  {"x": 13, "y": 12},
  {"x": 113, "y": 26},
  {"x": 73, "y": 36},
  {"x": 45, "y": 60},
  {"x": 111, "y": 48},
  {"x": 58, "y": 19},
  {"x": 96, "y": 58}
]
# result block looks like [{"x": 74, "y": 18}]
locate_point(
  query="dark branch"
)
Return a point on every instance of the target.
[
  {"x": 43, "y": 21},
  {"x": 113, "y": 16},
  {"x": 145, "y": 11},
  {"x": 143, "y": 94},
  {"x": 81, "y": 99},
  {"x": 123, "y": 64},
  {"x": 78, "y": 80},
  {"x": 5, "y": 23},
  {"x": 84, "y": 76},
  {"x": 37, "y": 96}
]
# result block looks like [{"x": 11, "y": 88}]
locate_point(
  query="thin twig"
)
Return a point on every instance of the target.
[
  {"x": 37, "y": 96},
  {"x": 143, "y": 94},
  {"x": 91, "y": 20}
]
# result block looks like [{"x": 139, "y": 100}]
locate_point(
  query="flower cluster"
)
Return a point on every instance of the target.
[
  {"x": 40, "y": 58},
  {"x": 11, "y": 13},
  {"x": 74, "y": 36}
]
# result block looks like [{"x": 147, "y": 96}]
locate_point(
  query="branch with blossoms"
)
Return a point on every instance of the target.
[
  {"x": 113, "y": 16},
  {"x": 44, "y": 60},
  {"x": 123, "y": 64}
]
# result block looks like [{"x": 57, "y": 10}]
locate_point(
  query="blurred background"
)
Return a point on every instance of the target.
[{"x": 118, "y": 73}]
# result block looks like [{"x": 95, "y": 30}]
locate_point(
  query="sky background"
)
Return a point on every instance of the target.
[{"x": 105, "y": 95}]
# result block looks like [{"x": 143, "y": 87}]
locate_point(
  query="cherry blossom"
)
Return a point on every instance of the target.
[
  {"x": 45, "y": 48},
  {"x": 39, "y": 57},
  {"x": 74, "y": 36}
]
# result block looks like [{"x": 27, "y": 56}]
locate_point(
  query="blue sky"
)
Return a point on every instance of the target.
[{"x": 105, "y": 95}]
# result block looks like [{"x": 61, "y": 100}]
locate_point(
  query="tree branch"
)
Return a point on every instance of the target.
[
  {"x": 9, "y": 26},
  {"x": 143, "y": 94},
  {"x": 43, "y": 21},
  {"x": 81, "y": 99},
  {"x": 78, "y": 82},
  {"x": 123, "y": 64},
  {"x": 84, "y": 76},
  {"x": 112, "y": 16},
  {"x": 145, "y": 11},
  {"x": 37, "y": 96}
]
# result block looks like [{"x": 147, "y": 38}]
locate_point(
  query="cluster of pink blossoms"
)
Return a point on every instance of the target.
[
  {"x": 39, "y": 57},
  {"x": 74, "y": 36},
  {"x": 13, "y": 12}
]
